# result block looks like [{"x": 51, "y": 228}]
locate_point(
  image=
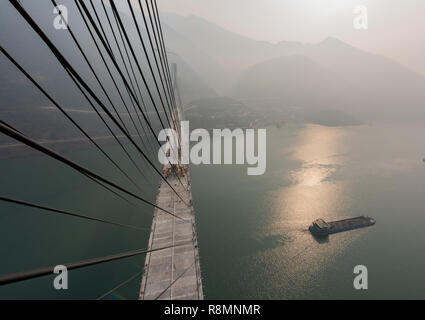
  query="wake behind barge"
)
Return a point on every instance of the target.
[{"x": 320, "y": 227}]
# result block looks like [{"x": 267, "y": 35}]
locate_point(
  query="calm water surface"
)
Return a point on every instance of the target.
[
  {"x": 253, "y": 230},
  {"x": 254, "y": 241},
  {"x": 33, "y": 238}
]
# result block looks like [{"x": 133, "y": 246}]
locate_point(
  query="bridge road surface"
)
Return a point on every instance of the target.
[{"x": 175, "y": 270}]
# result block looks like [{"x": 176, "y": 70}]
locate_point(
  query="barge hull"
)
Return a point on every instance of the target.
[{"x": 322, "y": 228}]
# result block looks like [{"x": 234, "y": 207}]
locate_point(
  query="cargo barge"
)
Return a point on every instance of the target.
[{"x": 320, "y": 227}]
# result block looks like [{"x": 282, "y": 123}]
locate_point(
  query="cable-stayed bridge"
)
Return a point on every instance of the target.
[
  {"x": 130, "y": 55},
  {"x": 173, "y": 273}
]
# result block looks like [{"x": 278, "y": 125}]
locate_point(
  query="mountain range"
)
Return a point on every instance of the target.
[
  {"x": 213, "y": 61},
  {"x": 330, "y": 74}
]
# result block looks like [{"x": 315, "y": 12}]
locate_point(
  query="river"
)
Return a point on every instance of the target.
[{"x": 253, "y": 230}]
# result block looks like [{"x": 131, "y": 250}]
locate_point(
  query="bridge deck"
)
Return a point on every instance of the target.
[{"x": 173, "y": 273}]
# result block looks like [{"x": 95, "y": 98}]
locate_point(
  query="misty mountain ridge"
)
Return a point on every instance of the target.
[
  {"x": 213, "y": 61},
  {"x": 330, "y": 74}
]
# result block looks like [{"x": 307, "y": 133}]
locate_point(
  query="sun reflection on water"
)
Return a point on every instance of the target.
[{"x": 313, "y": 193}]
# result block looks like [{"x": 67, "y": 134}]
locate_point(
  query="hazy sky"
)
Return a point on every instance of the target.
[{"x": 396, "y": 27}]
